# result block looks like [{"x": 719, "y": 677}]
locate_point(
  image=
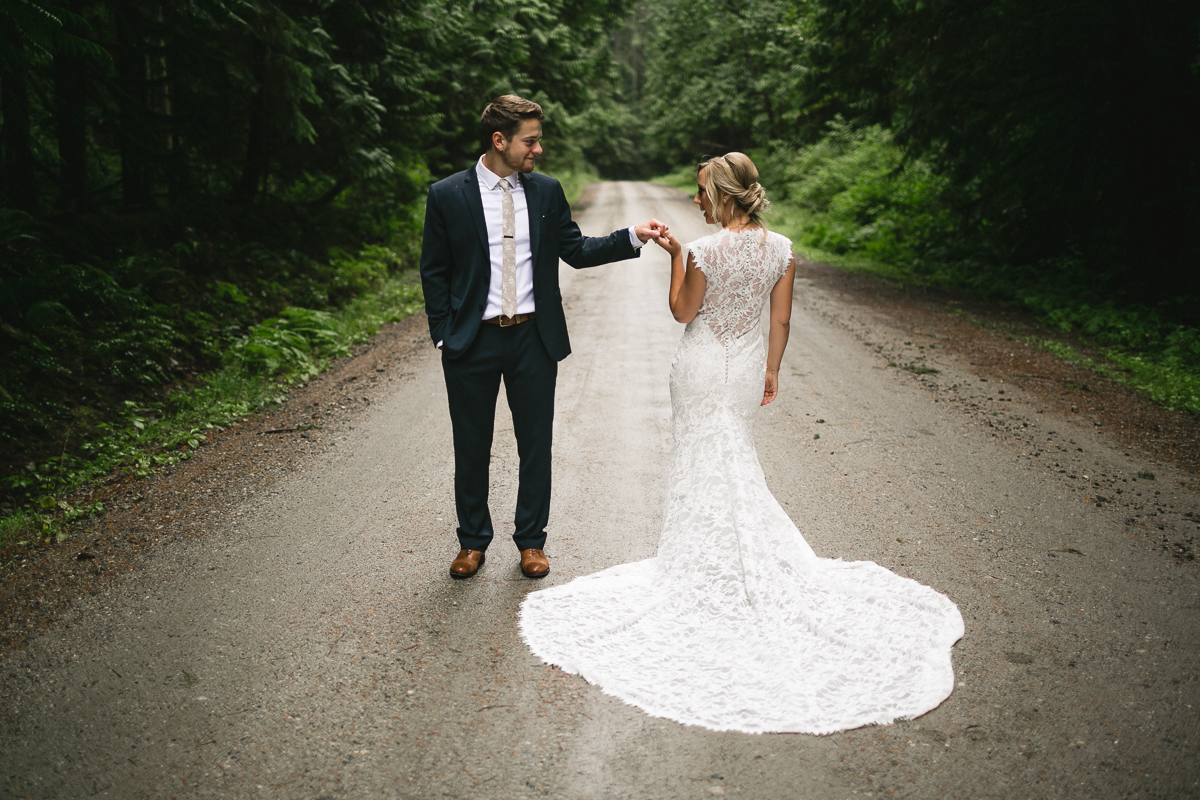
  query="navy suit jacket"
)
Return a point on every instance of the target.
[{"x": 456, "y": 266}]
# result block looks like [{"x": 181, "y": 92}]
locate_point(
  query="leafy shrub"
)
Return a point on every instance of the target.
[
  {"x": 352, "y": 275},
  {"x": 96, "y": 373},
  {"x": 858, "y": 193},
  {"x": 292, "y": 344},
  {"x": 852, "y": 197},
  {"x": 290, "y": 347},
  {"x": 1134, "y": 328}
]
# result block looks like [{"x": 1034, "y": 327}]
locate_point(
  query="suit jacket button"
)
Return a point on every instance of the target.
[{"x": 481, "y": 308}]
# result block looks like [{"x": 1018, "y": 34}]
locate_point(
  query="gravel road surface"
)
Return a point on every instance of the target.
[{"x": 313, "y": 645}]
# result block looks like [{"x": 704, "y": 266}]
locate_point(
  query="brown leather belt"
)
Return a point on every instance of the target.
[{"x": 505, "y": 322}]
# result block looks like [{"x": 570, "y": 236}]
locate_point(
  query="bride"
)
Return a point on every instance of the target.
[{"x": 737, "y": 624}]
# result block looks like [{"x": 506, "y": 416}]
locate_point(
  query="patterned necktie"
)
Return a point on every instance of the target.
[{"x": 508, "y": 283}]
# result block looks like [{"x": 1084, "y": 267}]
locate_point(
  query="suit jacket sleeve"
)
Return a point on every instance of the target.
[
  {"x": 588, "y": 251},
  {"x": 435, "y": 268}
]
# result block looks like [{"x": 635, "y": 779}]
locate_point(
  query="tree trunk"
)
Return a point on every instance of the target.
[
  {"x": 158, "y": 97},
  {"x": 20, "y": 191},
  {"x": 131, "y": 94},
  {"x": 254, "y": 168},
  {"x": 70, "y": 88}
]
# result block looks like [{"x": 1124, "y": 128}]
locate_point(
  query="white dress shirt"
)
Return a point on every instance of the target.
[{"x": 493, "y": 215}]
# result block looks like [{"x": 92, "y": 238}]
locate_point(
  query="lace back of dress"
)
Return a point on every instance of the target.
[{"x": 740, "y": 269}]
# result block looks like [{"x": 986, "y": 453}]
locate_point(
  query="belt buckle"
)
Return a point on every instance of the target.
[{"x": 500, "y": 321}]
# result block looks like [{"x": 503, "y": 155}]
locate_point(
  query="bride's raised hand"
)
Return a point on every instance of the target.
[
  {"x": 651, "y": 229},
  {"x": 669, "y": 243},
  {"x": 772, "y": 386}
]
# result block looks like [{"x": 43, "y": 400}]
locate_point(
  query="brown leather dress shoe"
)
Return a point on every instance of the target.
[
  {"x": 534, "y": 563},
  {"x": 466, "y": 563}
]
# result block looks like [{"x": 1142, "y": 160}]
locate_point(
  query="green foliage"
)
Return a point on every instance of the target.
[
  {"x": 719, "y": 76},
  {"x": 193, "y": 195},
  {"x": 76, "y": 340},
  {"x": 1041, "y": 128},
  {"x": 69, "y": 361},
  {"x": 854, "y": 199},
  {"x": 857, "y": 192},
  {"x": 982, "y": 143},
  {"x": 1131, "y": 328},
  {"x": 257, "y": 370},
  {"x": 286, "y": 344},
  {"x": 682, "y": 177},
  {"x": 1151, "y": 348},
  {"x": 352, "y": 275},
  {"x": 1164, "y": 379},
  {"x": 201, "y": 203}
]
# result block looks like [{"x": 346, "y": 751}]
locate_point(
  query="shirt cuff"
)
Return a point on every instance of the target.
[
  {"x": 439, "y": 344},
  {"x": 633, "y": 238}
]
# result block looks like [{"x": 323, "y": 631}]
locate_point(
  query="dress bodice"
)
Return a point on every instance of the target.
[{"x": 740, "y": 269}]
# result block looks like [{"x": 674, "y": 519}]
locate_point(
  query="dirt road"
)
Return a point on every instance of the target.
[{"x": 311, "y": 643}]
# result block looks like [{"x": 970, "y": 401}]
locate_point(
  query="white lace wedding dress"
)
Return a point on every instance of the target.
[{"x": 736, "y": 624}]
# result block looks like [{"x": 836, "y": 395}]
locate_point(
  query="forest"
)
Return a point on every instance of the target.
[{"x": 203, "y": 201}]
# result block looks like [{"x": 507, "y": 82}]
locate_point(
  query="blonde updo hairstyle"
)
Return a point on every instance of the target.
[{"x": 731, "y": 183}]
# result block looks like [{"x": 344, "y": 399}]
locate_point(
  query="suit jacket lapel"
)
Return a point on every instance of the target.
[
  {"x": 535, "y": 216},
  {"x": 474, "y": 200}
]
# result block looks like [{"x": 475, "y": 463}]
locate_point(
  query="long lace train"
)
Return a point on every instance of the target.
[{"x": 737, "y": 624}]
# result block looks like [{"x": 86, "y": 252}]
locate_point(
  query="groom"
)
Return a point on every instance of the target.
[{"x": 489, "y": 267}]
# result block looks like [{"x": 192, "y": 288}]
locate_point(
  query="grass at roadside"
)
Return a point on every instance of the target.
[
  {"x": 256, "y": 371},
  {"x": 18, "y": 526},
  {"x": 1168, "y": 385},
  {"x": 682, "y": 178}
]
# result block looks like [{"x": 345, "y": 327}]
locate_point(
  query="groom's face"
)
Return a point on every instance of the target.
[{"x": 519, "y": 152}]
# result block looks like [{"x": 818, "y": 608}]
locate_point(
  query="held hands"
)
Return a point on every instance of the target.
[
  {"x": 669, "y": 243},
  {"x": 772, "y": 387},
  {"x": 651, "y": 229},
  {"x": 661, "y": 234}
]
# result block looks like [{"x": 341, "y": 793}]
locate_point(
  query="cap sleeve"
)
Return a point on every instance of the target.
[
  {"x": 697, "y": 251},
  {"x": 783, "y": 247}
]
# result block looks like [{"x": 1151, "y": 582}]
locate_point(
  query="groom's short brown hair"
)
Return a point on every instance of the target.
[{"x": 504, "y": 115}]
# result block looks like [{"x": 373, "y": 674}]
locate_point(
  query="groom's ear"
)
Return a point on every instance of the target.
[{"x": 498, "y": 141}]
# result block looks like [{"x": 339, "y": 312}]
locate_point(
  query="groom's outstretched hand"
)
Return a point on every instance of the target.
[{"x": 649, "y": 230}]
